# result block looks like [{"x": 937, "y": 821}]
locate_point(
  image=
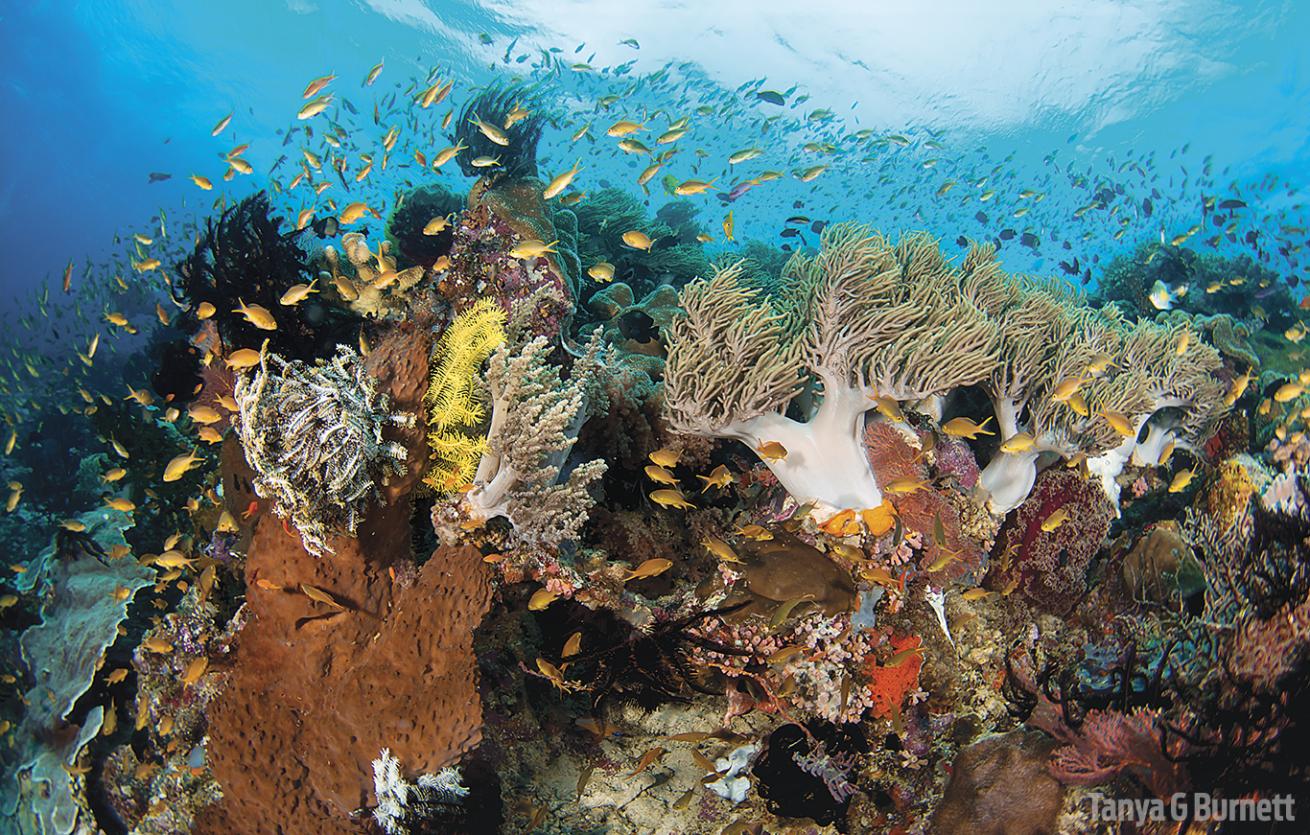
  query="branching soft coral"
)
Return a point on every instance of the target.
[
  {"x": 454, "y": 410},
  {"x": 863, "y": 318},
  {"x": 313, "y": 435},
  {"x": 535, "y": 419}
]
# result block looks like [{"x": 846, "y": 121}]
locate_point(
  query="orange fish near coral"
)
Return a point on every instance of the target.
[
  {"x": 771, "y": 451},
  {"x": 649, "y": 568},
  {"x": 671, "y": 498},
  {"x": 963, "y": 427}
]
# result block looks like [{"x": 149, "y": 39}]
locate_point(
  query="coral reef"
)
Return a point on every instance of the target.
[
  {"x": 244, "y": 258},
  {"x": 373, "y": 286},
  {"x": 1050, "y": 565},
  {"x": 410, "y": 217}
]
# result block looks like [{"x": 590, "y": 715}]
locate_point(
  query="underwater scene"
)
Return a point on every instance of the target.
[{"x": 527, "y": 416}]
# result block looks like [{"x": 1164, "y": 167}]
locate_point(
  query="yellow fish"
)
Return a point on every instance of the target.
[
  {"x": 243, "y": 358},
  {"x": 484, "y": 162},
  {"x": 204, "y": 310},
  {"x": 561, "y": 182},
  {"x": 623, "y": 127},
  {"x": 1119, "y": 422},
  {"x": 718, "y": 477},
  {"x": 602, "y": 271},
  {"x": 1055, "y": 520},
  {"x": 318, "y": 595},
  {"x": 689, "y": 187},
  {"x": 771, "y": 451},
  {"x": 1066, "y": 389},
  {"x": 1018, "y": 443},
  {"x": 314, "y": 107},
  {"x": 963, "y": 427},
  {"x": 637, "y": 239},
  {"x": 1181, "y": 480},
  {"x": 437, "y": 225},
  {"x": 541, "y": 599},
  {"x": 203, "y": 182},
  {"x": 671, "y": 498},
  {"x": 297, "y": 293},
  {"x": 447, "y": 154},
  {"x": 121, "y": 504},
  {"x": 649, "y": 568},
  {"x": 531, "y": 248},
  {"x": 257, "y": 315},
  {"x": 665, "y": 457},
  {"x": 352, "y": 212},
  {"x": 181, "y": 465},
  {"x": 659, "y": 475},
  {"x": 195, "y": 670},
  {"x": 204, "y": 414},
  {"x": 1288, "y": 391},
  {"x": 902, "y": 486},
  {"x": 727, "y": 226},
  {"x": 720, "y": 549},
  {"x": 490, "y": 131},
  {"x": 157, "y": 644}
]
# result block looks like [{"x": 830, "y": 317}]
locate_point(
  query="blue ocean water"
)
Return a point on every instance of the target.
[{"x": 1183, "y": 99}]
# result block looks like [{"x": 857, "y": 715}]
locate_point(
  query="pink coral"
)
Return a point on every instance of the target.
[{"x": 1050, "y": 566}]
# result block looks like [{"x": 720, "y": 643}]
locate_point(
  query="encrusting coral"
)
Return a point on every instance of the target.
[
  {"x": 454, "y": 410},
  {"x": 313, "y": 435}
]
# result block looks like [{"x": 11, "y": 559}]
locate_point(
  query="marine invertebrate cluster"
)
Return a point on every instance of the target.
[
  {"x": 1049, "y": 563},
  {"x": 370, "y": 283},
  {"x": 313, "y": 435},
  {"x": 245, "y": 256},
  {"x": 1073, "y": 381},
  {"x": 453, "y": 406}
]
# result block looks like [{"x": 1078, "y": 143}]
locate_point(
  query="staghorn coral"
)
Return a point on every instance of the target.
[
  {"x": 865, "y": 317},
  {"x": 313, "y": 435},
  {"x": 535, "y": 419},
  {"x": 454, "y": 411}
]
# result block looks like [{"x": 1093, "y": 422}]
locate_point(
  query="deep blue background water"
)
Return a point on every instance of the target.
[{"x": 96, "y": 95}]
